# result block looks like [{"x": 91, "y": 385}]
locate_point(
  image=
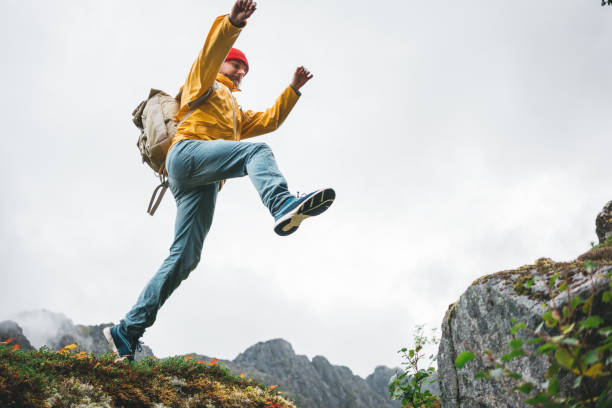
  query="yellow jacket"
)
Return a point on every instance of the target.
[{"x": 220, "y": 117}]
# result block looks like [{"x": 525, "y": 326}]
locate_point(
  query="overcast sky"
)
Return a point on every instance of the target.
[{"x": 462, "y": 138}]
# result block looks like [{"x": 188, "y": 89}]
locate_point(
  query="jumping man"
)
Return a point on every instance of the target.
[{"x": 206, "y": 150}]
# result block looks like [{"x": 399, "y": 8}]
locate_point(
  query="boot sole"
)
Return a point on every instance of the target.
[{"x": 316, "y": 204}]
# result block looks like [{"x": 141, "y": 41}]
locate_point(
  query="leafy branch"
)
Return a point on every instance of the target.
[{"x": 409, "y": 384}]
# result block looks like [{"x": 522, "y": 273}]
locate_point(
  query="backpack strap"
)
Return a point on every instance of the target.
[
  {"x": 163, "y": 186},
  {"x": 196, "y": 103},
  {"x": 202, "y": 98},
  {"x": 186, "y": 116},
  {"x": 163, "y": 175},
  {"x": 153, "y": 207}
]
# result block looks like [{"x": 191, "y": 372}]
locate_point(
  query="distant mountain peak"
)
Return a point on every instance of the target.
[{"x": 272, "y": 349}]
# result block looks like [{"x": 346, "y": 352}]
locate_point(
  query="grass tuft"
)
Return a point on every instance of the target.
[{"x": 71, "y": 377}]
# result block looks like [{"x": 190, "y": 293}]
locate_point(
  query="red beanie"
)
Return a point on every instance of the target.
[{"x": 236, "y": 54}]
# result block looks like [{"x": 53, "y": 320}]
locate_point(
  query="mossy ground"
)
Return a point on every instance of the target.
[
  {"x": 46, "y": 378},
  {"x": 544, "y": 268}
]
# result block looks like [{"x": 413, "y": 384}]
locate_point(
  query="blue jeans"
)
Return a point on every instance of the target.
[{"x": 194, "y": 170}]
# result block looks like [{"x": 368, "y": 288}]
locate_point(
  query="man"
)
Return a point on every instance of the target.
[{"x": 207, "y": 150}]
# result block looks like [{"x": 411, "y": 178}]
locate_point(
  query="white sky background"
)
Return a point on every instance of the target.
[{"x": 462, "y": 138}]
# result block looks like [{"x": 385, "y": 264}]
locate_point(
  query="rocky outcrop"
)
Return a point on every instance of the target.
[
  {"x": 11, "y": 330},
  {"x": 603, "y": 223},
  {"x": 311, "y": 384},
  {"x": 55, "y": 331},
  {"x": 482, "y": 318}
]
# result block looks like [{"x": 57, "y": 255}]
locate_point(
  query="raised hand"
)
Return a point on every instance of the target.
[
  {"x": 241, "y": 11},
  {"x": 301, "y": 76}
]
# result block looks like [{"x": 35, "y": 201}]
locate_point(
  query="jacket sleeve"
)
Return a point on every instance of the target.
[
  {"x": 258, "y": 123},
  {"x": 204, "y": 70}
]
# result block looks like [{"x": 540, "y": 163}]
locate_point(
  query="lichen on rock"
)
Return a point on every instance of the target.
[
  {"x": 73, "y": 393},
  {"x": 481, "y": 321}
]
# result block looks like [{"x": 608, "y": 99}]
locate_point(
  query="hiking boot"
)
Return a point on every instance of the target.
[
  {"x": 297, "y": 209},
  {"x": 120, "y": 345}
]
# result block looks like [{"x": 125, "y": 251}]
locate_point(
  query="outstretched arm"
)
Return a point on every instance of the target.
[
  {"x": 220, "y": 39},
  {"x": 259, "y": 123}
]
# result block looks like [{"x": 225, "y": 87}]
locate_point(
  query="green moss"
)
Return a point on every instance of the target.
[
  {"x": 504, "y": 275},
  {"x": 521, "y": 286},
  {"x": 600, "y": 253},
  {"x": 451, "y": 310},
  {"x": 606, "y": 243},
  {"x": 45, "y": 378},
  {"x": 545, "y": 268}
]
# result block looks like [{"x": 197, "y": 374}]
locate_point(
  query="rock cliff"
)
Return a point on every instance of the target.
[
  {"x": 482, "y": 319},
  {"x": 603, "y": 223},
  {"x": 11, "y": 330}
]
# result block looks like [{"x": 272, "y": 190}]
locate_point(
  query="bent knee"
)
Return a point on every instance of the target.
[{"x": 260, "y": 146}]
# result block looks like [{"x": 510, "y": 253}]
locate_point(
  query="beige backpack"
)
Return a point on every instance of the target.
[{"x": 156, "y": 119}]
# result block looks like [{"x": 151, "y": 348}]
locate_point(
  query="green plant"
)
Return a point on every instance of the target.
[
  {"x": 572, "y": 339},
  {"x": 70, "y": 377},
  {"x": 409, "y": 384},
  {"x": 606, "y": 243}
]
